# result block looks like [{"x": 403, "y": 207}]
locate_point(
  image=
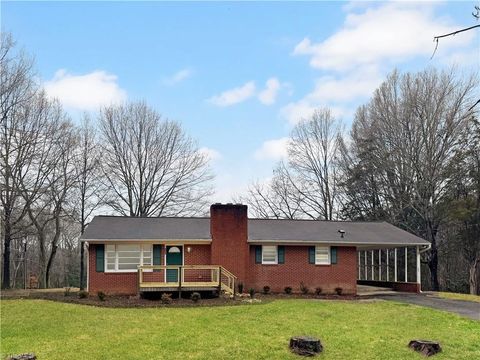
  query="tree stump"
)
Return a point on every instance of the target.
[
  {"x": 305, "y": 345},
  {"x": 426, "y": 347},
  {"x": 29, "y": 356}
]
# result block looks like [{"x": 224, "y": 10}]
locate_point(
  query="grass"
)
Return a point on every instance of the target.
[
  {"x": 458, "y": 296},
  {"x": 347, "y": 329}
]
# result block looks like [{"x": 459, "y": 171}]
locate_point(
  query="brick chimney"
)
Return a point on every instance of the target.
[{"x": 229, "y": 231}]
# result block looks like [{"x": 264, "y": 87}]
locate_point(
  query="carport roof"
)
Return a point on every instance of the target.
[{"x": 260, "y": 231}]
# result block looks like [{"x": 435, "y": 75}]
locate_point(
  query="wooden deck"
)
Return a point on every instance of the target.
[{"x": 190, "y": 278}]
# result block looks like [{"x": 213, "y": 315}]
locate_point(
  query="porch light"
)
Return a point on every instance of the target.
[{"x": 189, "y": 249}]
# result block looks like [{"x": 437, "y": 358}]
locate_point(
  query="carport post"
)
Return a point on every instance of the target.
[
  {"x": 380, "y": 264},
  {"x": 406, "y": 265},
  {"x": 419, "y": 278},
  {"x": 388, "y": 269},
  {"x": 395, "y": 265},
  {"x": 373, "y": 272},
  {"x": 366, "y": 265}
]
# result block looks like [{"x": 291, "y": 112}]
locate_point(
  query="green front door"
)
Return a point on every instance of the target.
[{"x": 174, "y": 257}]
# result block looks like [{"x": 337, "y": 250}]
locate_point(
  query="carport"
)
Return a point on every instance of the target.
[{"x": 392, "y": 265}]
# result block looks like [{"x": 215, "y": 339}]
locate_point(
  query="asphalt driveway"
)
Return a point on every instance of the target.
[{"x": 468, "y": 309}]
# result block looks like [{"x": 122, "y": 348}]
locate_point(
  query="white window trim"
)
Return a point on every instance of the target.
[
  {"x": 146, "y": 247},
  {"x": 329, "y": 262},
  {"x": 275, "y": 262}
]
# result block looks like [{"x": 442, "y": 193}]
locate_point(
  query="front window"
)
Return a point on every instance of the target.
[
  {"x": 269, "y": 255},
  {"x": 322, "y": 255},
  {"x": 127, "y": 257}
]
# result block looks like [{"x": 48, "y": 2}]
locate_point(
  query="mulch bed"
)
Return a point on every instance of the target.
[{"x": 118, "y": 301}]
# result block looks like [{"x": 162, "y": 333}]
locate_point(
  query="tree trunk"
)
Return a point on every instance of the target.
[
  {"x": 82, "y": 255},
  {"x": 6, "y": 253},
  {"x": 49, "y": 265},
  {"x": 433, "y": 266},
  {"x": 474, "y": 278},
  {"x": 433, "y": 258}
]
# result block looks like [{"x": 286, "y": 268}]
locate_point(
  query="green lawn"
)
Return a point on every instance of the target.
[{"x": 347, "y": 329}]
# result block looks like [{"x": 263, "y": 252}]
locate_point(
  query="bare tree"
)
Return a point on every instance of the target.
[
  {"x": 152, "y": 167},
  {"x": 277, "y": 198},
  {"x": 415, "y": 128},
  {"x": 47, "y": 178},
  {"x": 89, "y": 192},
  {"x": 312, "y": 155},
  {"x": 16, "y": 90}
]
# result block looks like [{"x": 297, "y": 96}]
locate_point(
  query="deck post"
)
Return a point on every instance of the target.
[
  {"x": 140, "y": 278},
  {"x": 380, "y": 264},
  {"x": 180, "y": 274},
  {"x": 373, "y": 269},
  {"x": 388, "y": 269},
  {"x": 365, "y": 264},
  {"x": 406, "y": 265},
  {"x": 219, "y": 280},
  {"x": 419, "y": 275}
]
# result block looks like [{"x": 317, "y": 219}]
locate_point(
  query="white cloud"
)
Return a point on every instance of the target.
[
  {"x": 235, "y": 95},
  {"x": 85, "y": 92},
  {"x": 275, "y": 149},
  {"x": 211, "y": 154},
  {"x": 269, "y": 94},
  {"x": 391, "y": 32},
  {"x": 373, "y": 39},
  {"x": 179, "y": 76}
]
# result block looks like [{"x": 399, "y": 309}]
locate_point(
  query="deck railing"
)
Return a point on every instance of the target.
[{"x": 186, "y": 276}]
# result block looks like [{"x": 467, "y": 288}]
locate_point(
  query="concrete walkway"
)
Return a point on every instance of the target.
[{"x": 468, "y": 309}]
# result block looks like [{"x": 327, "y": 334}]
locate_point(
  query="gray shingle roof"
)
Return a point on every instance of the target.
[
  {"x": 327, "y": 231},
  {"x": 147, "y": 228},
  {"x": 259, "y": 230}
]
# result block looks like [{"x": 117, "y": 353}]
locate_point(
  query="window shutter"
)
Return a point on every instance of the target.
[
  {"x": 157, "y": 257},
  {"x": 100, "y": 258},
  {"x": 281, "y": 254},
  {"x": 333, "y": 255},
  {"x": 157, "y": 254},
  {"x": 258, "y": 254},
  {"x": 311, "y": 254}
]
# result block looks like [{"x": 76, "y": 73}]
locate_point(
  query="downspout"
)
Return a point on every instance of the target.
[{"x": 426, "y": 248}]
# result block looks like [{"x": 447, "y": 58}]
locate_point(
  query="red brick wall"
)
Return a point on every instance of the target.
[
  {"x": 296, "y": 269},
  {"x": 109, "y": 283},
  {"x": 229, "y": 230},
  {"x": 198, "y": 255}
]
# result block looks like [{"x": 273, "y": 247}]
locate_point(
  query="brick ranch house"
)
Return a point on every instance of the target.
[{"x": 130, "y": 255}]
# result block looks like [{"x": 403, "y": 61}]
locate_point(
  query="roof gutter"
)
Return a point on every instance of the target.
[{"x": 426, "y": 248}]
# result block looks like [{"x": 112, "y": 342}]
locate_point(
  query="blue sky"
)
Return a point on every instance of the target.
[{"x": 238, "y": 76}]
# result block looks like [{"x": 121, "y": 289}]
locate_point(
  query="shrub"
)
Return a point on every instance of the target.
[
  {"x": 266, "y": 289},
  {"x": 101, "y": 295},
  {"x": 304, "y": 288},
  {"x": 318, "y": 291},
  {"x": 240, "y": 288},
  {"x": 67, "y": 291},
  {"x": 195, "y": 297},
  {"x": 288, "y": 290},
  {"x": 82, "y": 294},
  {"x": 166, "y": 298},
  {"x": 251, "y": 291},
  {"x": 338, "y": 290}
]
